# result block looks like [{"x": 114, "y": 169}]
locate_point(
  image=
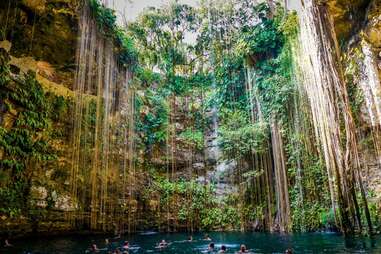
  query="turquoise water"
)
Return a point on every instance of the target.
[{"x": 256, "y": 242}]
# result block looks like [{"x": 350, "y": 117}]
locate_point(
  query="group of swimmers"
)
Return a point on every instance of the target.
[
  {"x": 164, "y": 244},
  {"x": 119, "y": 250},
  {"x": 223, "y": 249}
]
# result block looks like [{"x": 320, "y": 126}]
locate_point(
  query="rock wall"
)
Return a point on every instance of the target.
[
  {"x": 39, "y": 37},
  {"x": 358, "y": 29}
]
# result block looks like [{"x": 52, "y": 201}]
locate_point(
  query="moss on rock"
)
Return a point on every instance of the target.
[{"x": 45, "y": 29}]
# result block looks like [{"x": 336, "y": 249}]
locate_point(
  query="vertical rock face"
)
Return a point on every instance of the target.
[
  {"x": 348, "y": 16},
  {"x": 222, "y": 177},
  {"x": 46, "y": 29},
  {"x": 370, "y": 85},
  {"x": 358, "y": 26},
  {"x": 211, "y": 145},
  {"x": 371, "y": 45},
  {"x": 40, "y": 37},
  {"x": 333, "y": 115}
]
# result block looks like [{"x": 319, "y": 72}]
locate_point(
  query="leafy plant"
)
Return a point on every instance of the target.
[
  {"x": 238, "y": 137},
  {"x": 24, "y": 141},
  {"x": 193, "y": 138},
  {"x": 123, "y": 45}
]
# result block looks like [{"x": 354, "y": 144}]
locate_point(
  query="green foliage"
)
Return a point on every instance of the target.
[
  {"x": 261, "y": 41},
  {"x": 123, "y": 45},
  {"x": 374, "y": 210},
  {"x": 224, "y": 217},
  {"x": 193, "y": 138},
  {"x": 275, "y": 84},
  {"x": 105, "y": 17},
  {"x": 290, "y": 26},
  {"x": 24, "y": 140},
  {"x": 312, "y": 216},
  {"x": 230, "y": 82},
  {"x": 239, "y": 137},
  {"x": 152, "y": 122},
  {"x": 196, "y": 203},
  {"x": 159, "y": 34},
  {"x": 311, "y": 208},
  {"x": 147, "y": 77},
  {"x": 327, "y": 218}
]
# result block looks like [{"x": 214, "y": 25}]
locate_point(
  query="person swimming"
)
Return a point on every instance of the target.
[
  {"x": 223, "y": 249},
  {"x": 126, "y": 245},
  {"x": 94, "y": 247},
  {"x": 207, "y": 238},
  {"x": 211, "y": 247},
  {"x": 108, "y": 244},
  {"x": 288, "y": 251},
  {"x": 242, "y": 249},
  {"x": 163, "y": 244},
  {"x": 190, "y": 238},
  {"x": 7, "y": 243}
]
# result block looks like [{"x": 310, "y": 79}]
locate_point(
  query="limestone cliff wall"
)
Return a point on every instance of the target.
[{"x": 358, "y": 28}]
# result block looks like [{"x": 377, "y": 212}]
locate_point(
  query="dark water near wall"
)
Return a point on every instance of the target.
[{"x": 256, "y": 242}]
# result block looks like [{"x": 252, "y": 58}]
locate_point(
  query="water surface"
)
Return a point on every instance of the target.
[{"x": 256, "y": 242}]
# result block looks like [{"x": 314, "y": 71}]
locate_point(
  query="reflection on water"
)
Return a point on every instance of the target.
[{"x": 255, "y": 242}]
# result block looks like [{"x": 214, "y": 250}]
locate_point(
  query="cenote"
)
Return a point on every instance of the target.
[
  {"x": 222, "y": 116},
  {"x": 255, "y": 242}
]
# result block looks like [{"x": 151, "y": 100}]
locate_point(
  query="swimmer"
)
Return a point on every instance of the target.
[
  {"x": 207, "y": 238},
  {"x": 211, "y": 247},
  {"x": 242, "y": 249},
  {"x": 223, "y": 249},
  {"x": 190, "y": 238},
  {"x": 288, "y": 251},
  {"x": 108, "y": 244},
  {"x": 126, "y": 245},
  {"x": 7, "y": 243},
  {"x": 163, "y": 244},
  {"x": 94, "y": 247}
]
